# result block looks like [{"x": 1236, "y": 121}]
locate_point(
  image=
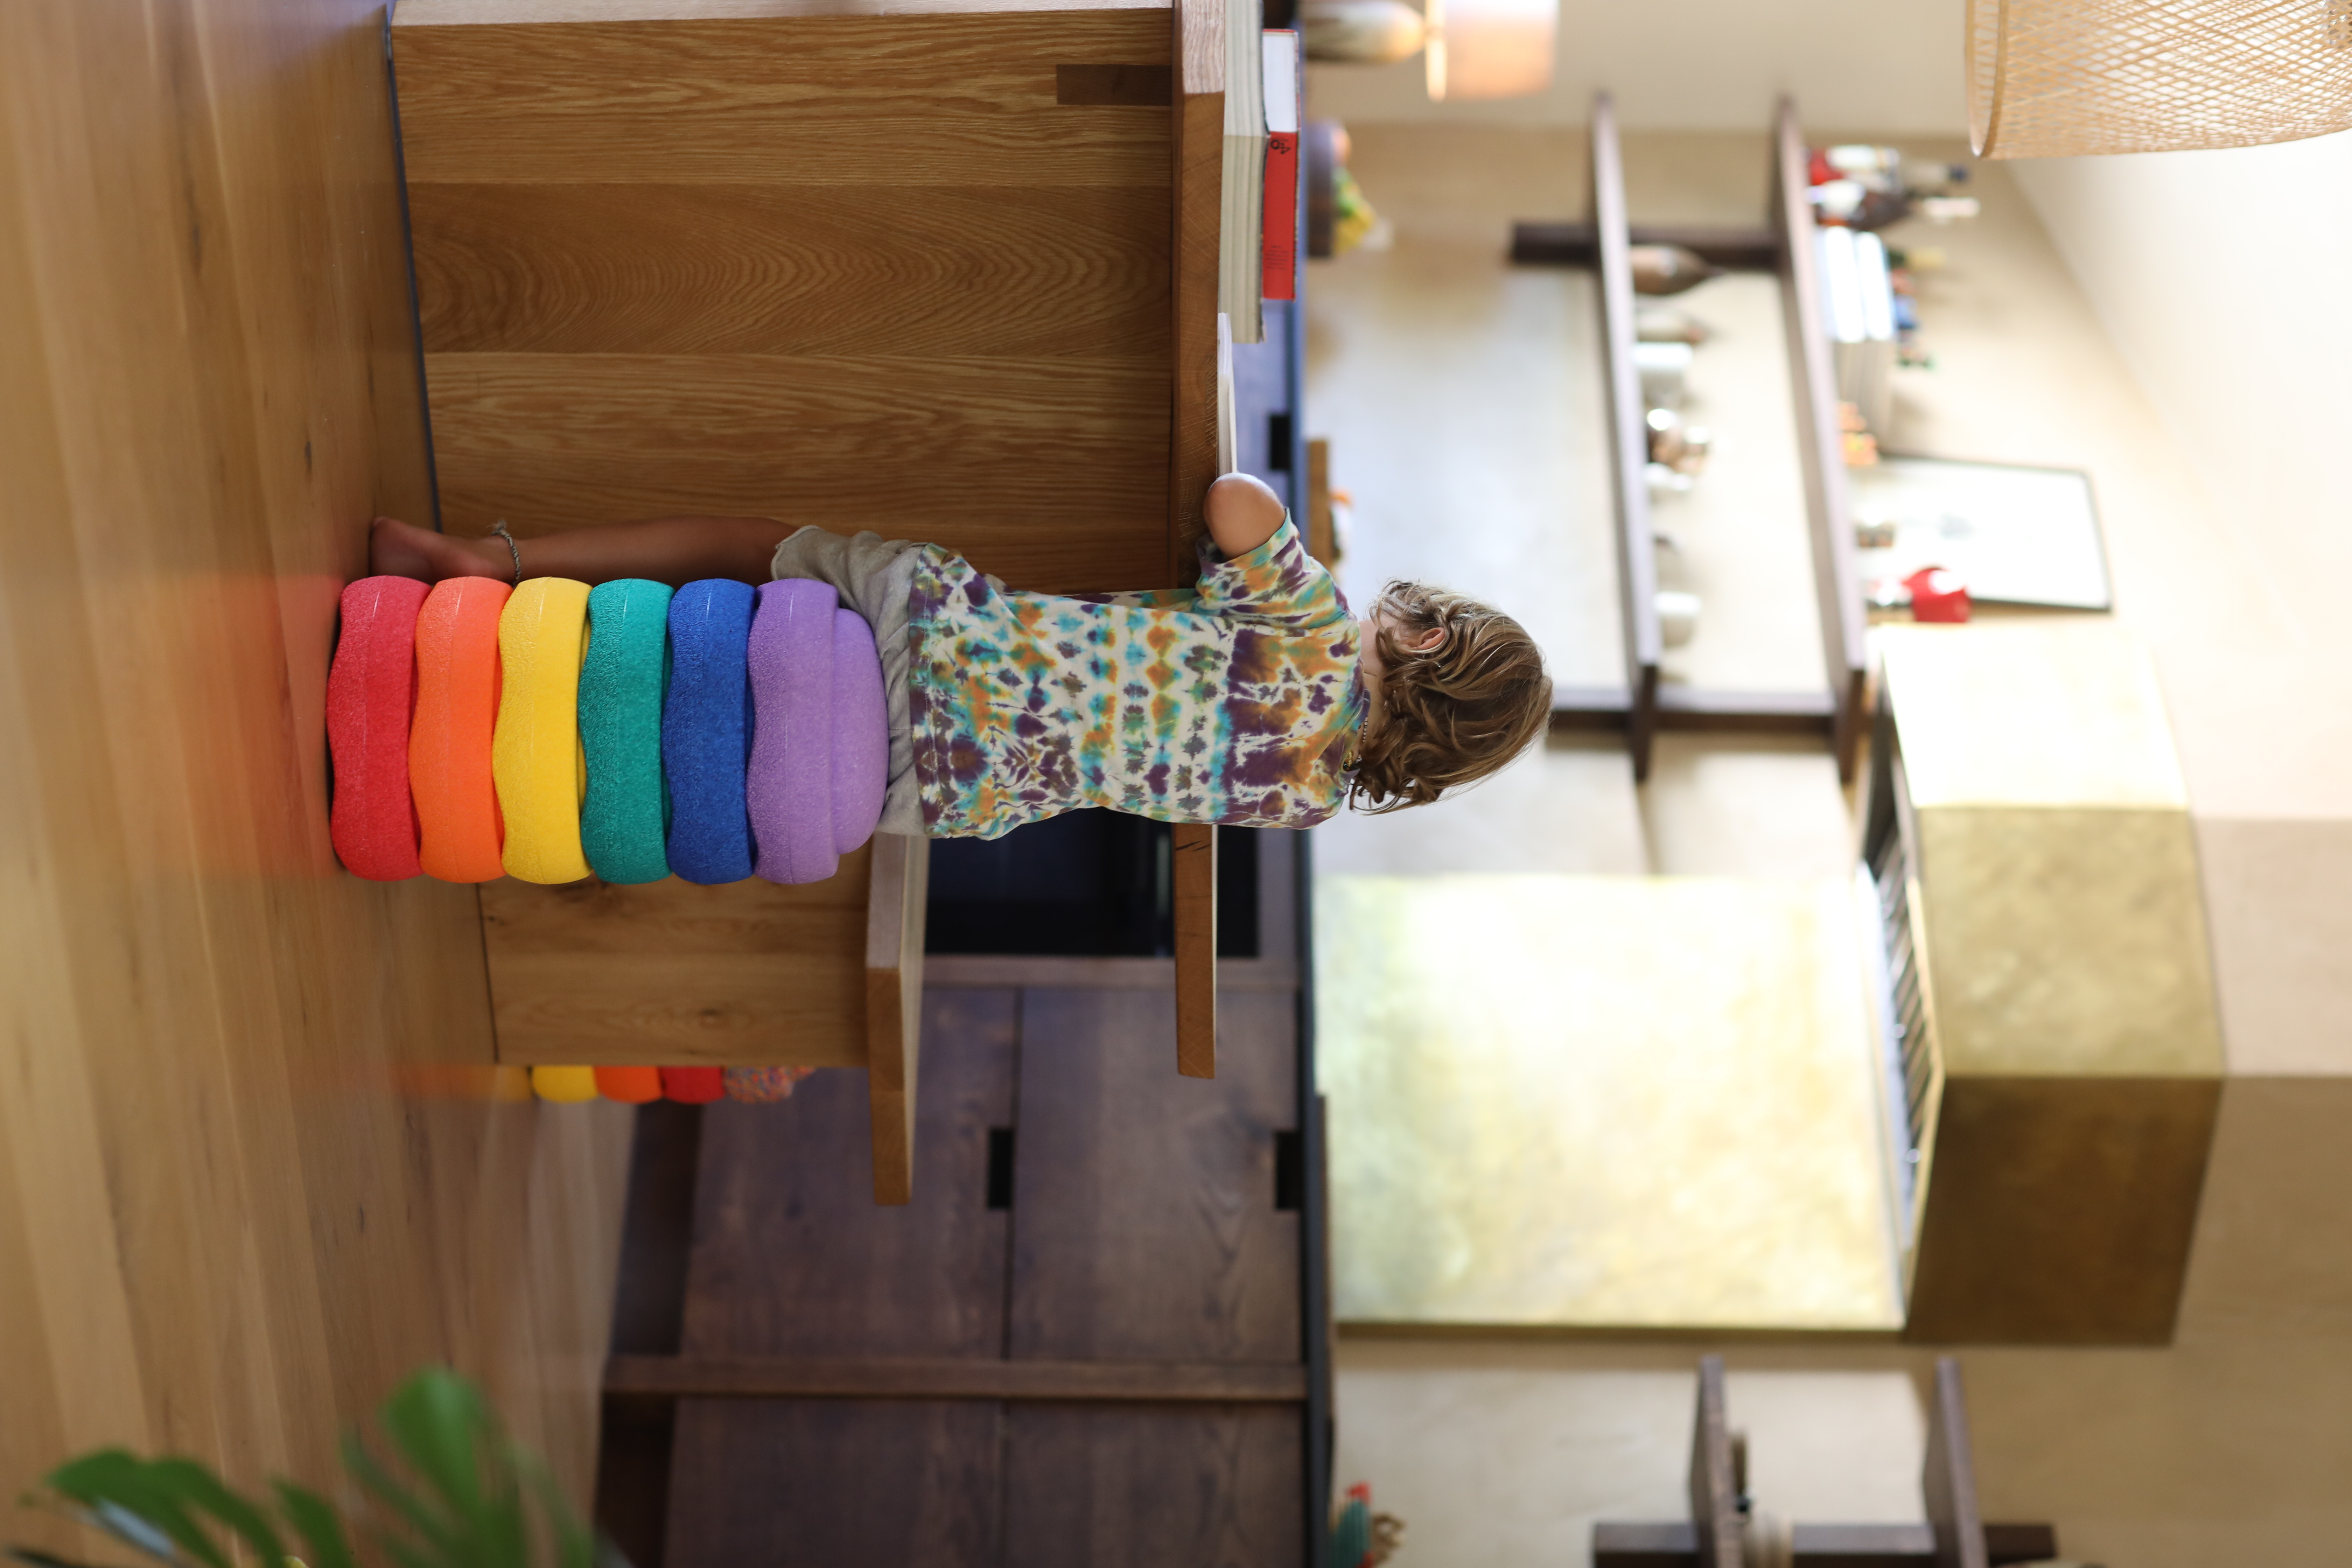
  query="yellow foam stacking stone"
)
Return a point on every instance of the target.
[
  {"x": 535, "y": 757},
  {"x": 564, "y": 1086}
]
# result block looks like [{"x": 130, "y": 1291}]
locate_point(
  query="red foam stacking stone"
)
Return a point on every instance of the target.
[
  {"x": 371, "y": 695},
  {"x": 694, "y": 1086},
  {"x": 630, "y": 1085}
]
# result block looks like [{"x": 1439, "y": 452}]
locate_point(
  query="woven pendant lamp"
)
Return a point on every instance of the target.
[{"x": 2056, "y": 79}]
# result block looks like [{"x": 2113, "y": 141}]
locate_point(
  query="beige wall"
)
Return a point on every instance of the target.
[
  {"x": 1708, "y": 64},
  {"x": 2217, "y": 278}
]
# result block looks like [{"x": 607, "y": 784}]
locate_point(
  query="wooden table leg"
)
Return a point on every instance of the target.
[
  {"x": 894, "y": 1006},
  {"x": 1196, "y": 949}
]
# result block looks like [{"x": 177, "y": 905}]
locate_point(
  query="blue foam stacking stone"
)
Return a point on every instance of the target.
[
  {"x": 623, "y": 821},
  {"x": 707, "y": 730}
]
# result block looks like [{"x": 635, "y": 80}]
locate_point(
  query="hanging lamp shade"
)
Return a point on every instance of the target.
[{"x": 2054, "y": 78}]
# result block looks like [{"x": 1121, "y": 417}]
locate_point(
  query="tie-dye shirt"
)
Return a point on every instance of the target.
[{"x": 1231, "y": 701}]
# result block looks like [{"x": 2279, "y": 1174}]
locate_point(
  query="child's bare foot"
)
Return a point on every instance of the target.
[{"x": 399, "y": 550}]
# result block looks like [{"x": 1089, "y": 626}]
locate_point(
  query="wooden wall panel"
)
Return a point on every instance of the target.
[
  {"x": 260, "y": 1163},
  {"x": 1145, "y": 1225},
  {"x": 1046, "y": 274},
  {"x": 1153, "y": 1487},
  {"x": 862, "y": 271},
  {"x": 791, "y": 1256},
  {"x": 838, "y": 101},
  {"x": 598, "y": 973}
]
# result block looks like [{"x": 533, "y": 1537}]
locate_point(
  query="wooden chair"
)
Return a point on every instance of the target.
[{"x": 949, "y": 273}]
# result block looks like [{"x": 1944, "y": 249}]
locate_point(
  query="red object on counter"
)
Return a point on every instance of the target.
[
  {"x": 1818, "y": 170},
  {"x": 1938, "y": 594}
]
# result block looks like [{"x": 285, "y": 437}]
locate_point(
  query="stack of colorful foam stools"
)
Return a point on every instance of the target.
[{"x": 551, "y": 732}]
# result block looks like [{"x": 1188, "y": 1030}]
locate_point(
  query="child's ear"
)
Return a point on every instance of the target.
[{"x": 1430, "y": 641}]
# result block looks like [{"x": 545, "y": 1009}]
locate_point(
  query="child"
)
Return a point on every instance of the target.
[{"x": 1251, "y": 699}]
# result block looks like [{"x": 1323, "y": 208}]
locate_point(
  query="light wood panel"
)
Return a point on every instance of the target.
[
  {"x": 1053, "y": 274},
  {"x": 806, "y": 100},
  {"x": 1197, "y": 152},
  {"x": 255, "y": 1160},
  {"x": 894, "y": 281},
  {"x": 753, "y": 973}
]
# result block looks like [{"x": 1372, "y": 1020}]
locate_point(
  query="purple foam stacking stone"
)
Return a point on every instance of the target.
[
  {"x": 861, "y": 732},
  {"x": 789, "y": 788}
]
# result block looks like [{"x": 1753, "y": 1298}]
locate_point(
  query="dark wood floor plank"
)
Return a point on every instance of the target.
[
  {"x": 929, "y": 270},
  {"x": 1152, "y": 1488},
  {"x": 834, "y": 1484},
  {"x": 1145, "y": 1221},
  {"x": 793, "y": 1258}
]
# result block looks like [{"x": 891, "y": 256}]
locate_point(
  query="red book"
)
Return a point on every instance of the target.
[{"x": 1278, "y": 247}]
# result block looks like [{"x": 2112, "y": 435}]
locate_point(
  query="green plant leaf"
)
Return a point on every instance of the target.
[
  {"x": 314, "y": 1519},
  {"x": 206, "y": 1490},
  {"x": 135, "y": 1501},
  {"x": 446, "y": 1545},
  {"x": 441, "y": 1428}
]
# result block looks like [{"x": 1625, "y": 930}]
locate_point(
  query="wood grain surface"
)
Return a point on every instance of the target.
[
  {"x": 1196, "y": 154},
  {"x": 897, "y": 909},
  {"x": 1194, "y": 846},
  {"x": 1146, "y": 1228},
  {"x": 860, "y": 272},
  {"x": 1048, "y": 275},
  {"x": 753, "y": 973},
  {"x": 843, "y": 1483},
  {"x": 1153, "y": 1487},
  {"x": 846, "y": 101},
  {"x": 791, "y": 1256},
  {"x": 948, "y": 1377},
  {"x": 255, "y": 1162}
]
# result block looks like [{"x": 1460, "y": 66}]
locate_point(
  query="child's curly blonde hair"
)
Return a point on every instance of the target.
[{"x": 1454, "y": 714}]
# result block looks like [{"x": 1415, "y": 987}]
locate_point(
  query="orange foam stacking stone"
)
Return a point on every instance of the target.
[
  {"x": 462, "y": 834},
  {"x": 630, "y": 1085}
]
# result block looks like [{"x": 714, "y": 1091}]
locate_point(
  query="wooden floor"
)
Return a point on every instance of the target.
[{"x": 252, "y": 1169}]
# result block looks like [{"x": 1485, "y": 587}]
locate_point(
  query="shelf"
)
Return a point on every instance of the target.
[{"x": 1782, "y": 246}]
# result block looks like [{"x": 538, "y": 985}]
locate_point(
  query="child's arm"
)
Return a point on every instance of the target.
[{"x": 1243, "y": 513}]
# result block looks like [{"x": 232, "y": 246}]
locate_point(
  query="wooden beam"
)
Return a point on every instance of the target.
[
  {"x": 1674, "y": 1544},
  {"x": 1195, "y": 855},
  {"x": 1698, "y": 709},
  {"x": 1198, "y": 66},
  {"x": 1949, "y": 1478},
  {"x": 895, "y": 905},
  {"x": 1821, "y": 442},
  {"x": 1578, "y": 244},
  {"x": 1629, "y": 441},
  {"x": 1715, "y": 1496},
  {"x": 762, "y": 1377},
  {"x": 990, "y": 971}
]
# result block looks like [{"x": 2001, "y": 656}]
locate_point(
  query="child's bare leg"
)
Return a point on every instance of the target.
[{"x": 672, "y": 549}]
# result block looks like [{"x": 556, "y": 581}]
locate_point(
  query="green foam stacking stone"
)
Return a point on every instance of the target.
[{"x": 625, "y": 819}]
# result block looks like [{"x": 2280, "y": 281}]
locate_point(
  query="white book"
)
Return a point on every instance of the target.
[
  {"x": 1281, "y": 84},
  {"x": 1241, "y": 218}
]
